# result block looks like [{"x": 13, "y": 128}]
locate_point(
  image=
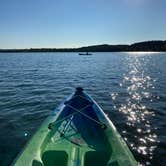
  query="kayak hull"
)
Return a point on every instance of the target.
[{"x": 77, "y": 133}]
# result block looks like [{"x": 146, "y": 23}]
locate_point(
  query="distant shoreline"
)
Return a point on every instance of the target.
[{"x": 147, "y": 46}]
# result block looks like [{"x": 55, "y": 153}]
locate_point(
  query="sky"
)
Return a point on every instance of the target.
[{"x": 75, "y": 23}]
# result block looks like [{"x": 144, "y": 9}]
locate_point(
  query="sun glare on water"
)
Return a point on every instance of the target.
[{"x": 138, "y": 84}]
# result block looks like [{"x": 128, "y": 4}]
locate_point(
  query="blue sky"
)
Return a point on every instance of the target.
[{"x": 74, "y": 23}]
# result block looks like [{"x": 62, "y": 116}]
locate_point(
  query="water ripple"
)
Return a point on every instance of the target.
[{"x": 131, "y": 89}]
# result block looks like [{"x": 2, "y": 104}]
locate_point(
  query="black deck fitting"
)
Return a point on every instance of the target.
[{"x": 79, "y": 89}]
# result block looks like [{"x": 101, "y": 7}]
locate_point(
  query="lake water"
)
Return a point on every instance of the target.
[{"x": 130, "y": 87}]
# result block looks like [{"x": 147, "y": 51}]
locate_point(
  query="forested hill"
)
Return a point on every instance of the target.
[{"x": 141, "y": 46}]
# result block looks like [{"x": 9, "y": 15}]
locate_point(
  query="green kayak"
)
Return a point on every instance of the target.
[{"x": 78, "y": 133}]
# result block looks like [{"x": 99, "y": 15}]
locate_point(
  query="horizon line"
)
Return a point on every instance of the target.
[{"x": 77, "y": 47}]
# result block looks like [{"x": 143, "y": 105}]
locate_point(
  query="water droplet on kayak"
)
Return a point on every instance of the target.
[{"x": 25, "y": 134}]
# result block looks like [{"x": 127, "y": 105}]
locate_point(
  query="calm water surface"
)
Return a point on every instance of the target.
[{"x": 130, "y": 87}]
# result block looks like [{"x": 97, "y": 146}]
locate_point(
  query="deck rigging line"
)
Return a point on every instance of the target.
[{"x": 87, "y": 116}]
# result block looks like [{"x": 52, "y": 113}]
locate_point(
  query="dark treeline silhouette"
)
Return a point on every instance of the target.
[{"x": 141, "y": 46}]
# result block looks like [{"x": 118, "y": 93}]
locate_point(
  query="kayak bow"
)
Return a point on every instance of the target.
[{"x": 78, "y": 133}]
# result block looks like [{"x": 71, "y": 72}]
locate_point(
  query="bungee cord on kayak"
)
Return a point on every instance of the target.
[
  {"x": 67, "y": 117},
  {"x": 102, "y": 125},
  {"x": 92, "y": 119}
]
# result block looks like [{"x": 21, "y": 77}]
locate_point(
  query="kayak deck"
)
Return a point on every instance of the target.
[{"x": 77, "y": 139}]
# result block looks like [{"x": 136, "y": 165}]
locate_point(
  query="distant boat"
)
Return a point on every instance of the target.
[{"x": 85, "y": 53}]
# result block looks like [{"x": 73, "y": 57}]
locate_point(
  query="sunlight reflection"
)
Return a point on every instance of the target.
[
  {"x": 140, "y": 53},
  {"x": 138, "y": 85}
]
